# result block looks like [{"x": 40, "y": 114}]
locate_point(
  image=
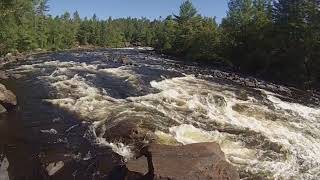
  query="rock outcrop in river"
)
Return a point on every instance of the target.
[{"x": 195, "y": 161}]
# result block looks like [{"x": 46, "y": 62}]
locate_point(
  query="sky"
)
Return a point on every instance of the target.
[{"x": 151, "y": 9}]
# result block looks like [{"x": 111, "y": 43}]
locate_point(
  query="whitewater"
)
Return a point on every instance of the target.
[{"x": 267, "y": 133}]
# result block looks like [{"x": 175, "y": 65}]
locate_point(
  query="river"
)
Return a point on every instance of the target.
[{"x": 67, "y": 100}]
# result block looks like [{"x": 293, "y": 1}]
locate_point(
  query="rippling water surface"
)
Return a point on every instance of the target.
[{"x": 65, "y": 97}]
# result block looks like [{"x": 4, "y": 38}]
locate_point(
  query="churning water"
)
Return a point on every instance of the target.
[{"x": 265, "y": 134}]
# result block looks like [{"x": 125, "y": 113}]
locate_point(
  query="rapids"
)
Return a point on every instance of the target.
[{"x": 267, "y": 133}]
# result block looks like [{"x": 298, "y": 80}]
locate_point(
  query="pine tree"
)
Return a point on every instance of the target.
[
  {"x": 186, "y": 21},
  {"x": 41, "y": 10},
  {"x": 187, "y": 12},
  {"x": 290, "y": 33}
]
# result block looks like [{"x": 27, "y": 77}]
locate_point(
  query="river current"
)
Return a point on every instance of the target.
[{"x": 267, "y": 133}]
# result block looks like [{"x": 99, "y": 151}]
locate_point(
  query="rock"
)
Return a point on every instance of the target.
[
  {"x": 251, "y": 82},
  {"x": 16, "y": 76},
  {"x": 2, "y": 109},
  {"x": 127, "y": 132},
  {"x": 7, "y": 98},
  {"x": 30, "y": 58},
  {"x": 9, "y": 57},
  {"x": 104, "y": 165},
  {"x": 3, "y": 75},
  {"x": 195, "y": 161},
  {"x": 125, "y": 60}
]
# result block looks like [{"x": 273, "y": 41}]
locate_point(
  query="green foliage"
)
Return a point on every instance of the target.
[{"x": 187, "y": 12}]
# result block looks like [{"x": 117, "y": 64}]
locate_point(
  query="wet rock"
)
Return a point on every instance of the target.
[
  {"x": 2, "y": 109},
  {"x": 3, "y": 75},
  {"x": 242, "y": 94},
  {"x": 125, "y": 60},
  {"x": 128, "y": 132},
  {"x": 189, "y": 162},
  {"x": 7, "y": 98},
  {"x": 102, "y": 164},
  {"x": 251, "y": 82},
  {"x": 16, "y": 76}
]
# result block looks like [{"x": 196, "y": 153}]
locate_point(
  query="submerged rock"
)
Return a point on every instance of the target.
[
  {"x": 7, "y": 99},
  {"x": 189, "y": 162},
  {"x": 128, "y": 132}
]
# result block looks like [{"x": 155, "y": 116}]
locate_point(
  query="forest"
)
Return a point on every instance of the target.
[{"x": 277, "y": 40}]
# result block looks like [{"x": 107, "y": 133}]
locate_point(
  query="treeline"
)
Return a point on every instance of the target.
[
  {"x": 26, "y": 25},
  {"x": 273, "y": 39}
]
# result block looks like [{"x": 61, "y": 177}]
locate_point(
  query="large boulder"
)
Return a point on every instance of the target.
[
  {"x": 128, "y": 132},
  {"x": 7, "y": 99},
  {"x": 195, "y": 161}
]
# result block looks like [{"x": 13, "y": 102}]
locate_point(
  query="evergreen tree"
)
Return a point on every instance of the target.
[
  {"x": 41, "y": 9},
  {"x": 187, "y": 23}
]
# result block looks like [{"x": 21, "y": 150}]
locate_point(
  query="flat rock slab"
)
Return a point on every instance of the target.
[{"x": 189, "y": 162}]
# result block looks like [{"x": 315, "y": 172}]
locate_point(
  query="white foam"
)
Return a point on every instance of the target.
[
  {"x": 304, "y": 111},
  {"x": 4, "y": 165},
  {"x": 51, "y": 131},
  {"x": 292, "y": 130},
  {"x": 136, "y": 48},
  {"x": 123, "y": 73},
  {"x": 188, "y": 100},
  {"x": 119, "y": 148},
  {"x": 53, "y": 168},
  {"x": 300, "y": 150},
  {"x": 235, "y": 151}
]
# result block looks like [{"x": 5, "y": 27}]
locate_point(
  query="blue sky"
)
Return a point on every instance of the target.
[{"x": 135, "y": 8}]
